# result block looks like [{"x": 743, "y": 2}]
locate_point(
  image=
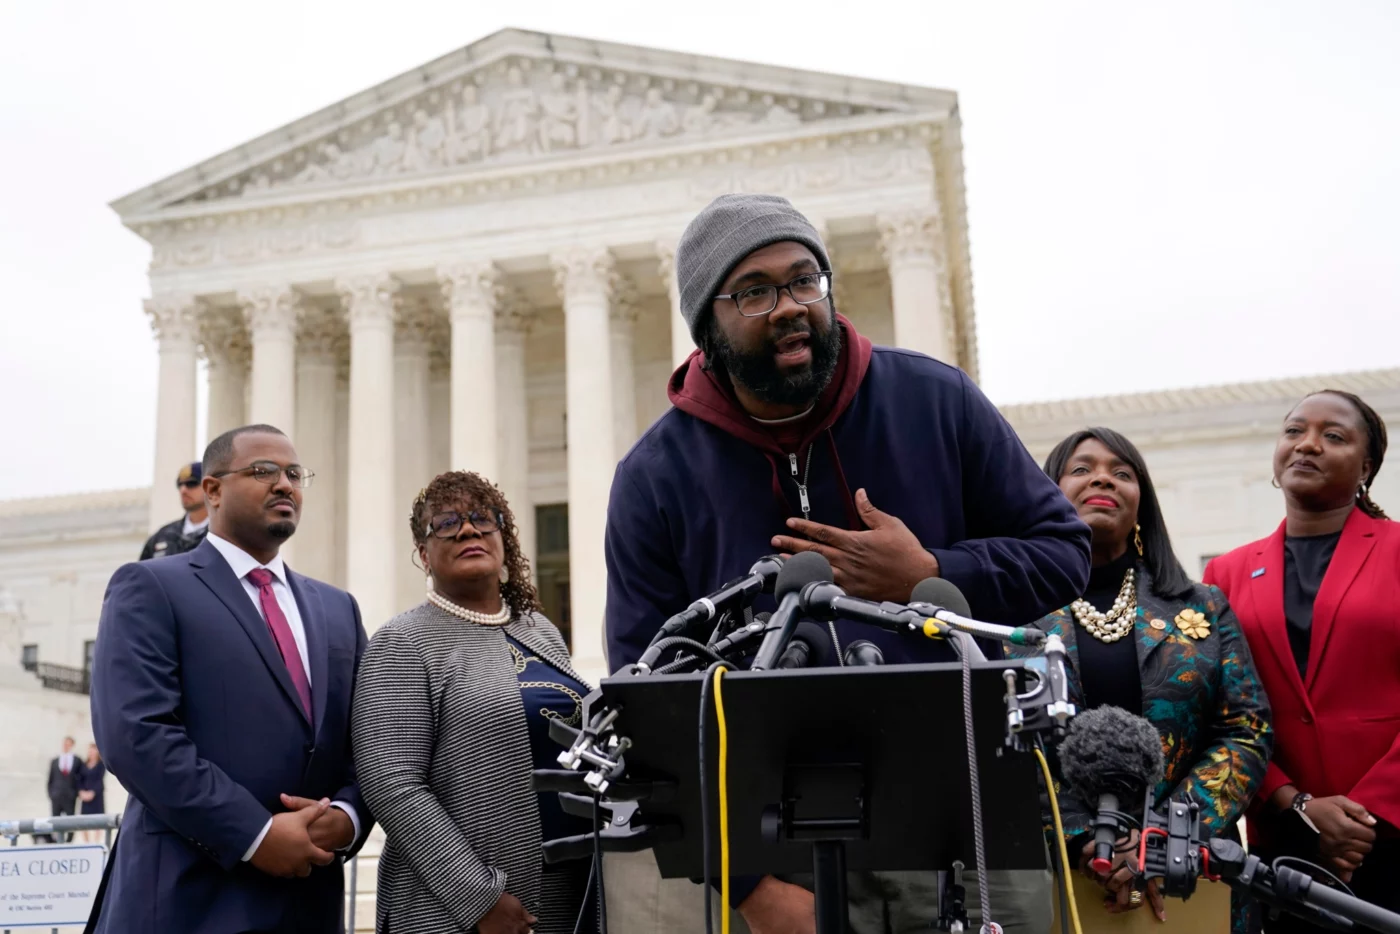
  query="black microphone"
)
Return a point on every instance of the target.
[
  {"x": 863, "y": 652},
  {"x": 1110, "y": 756},
  {"x": 760, "y": 579},
  {"x": 800, "y": 570},
  {"x": 944, "y": 602},
  {"x": 824, "y": 600},
  {"x": 807, "y": 641}
]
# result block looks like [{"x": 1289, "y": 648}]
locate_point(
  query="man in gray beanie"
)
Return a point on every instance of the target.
[{"x": 787, "y": 428}]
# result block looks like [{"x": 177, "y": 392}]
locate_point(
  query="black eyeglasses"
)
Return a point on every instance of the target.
[
  {"x": 449, "y": 524},
  {"x": 762, "y": 299},
  {"x": 268, "y": 472}
]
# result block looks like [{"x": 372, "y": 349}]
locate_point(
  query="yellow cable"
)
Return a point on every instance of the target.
[
  {"x": 723, "y": 804},
  {"x": 1065, "y": 869}
]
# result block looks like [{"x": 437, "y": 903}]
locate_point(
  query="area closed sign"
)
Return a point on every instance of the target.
[{"x": 46, "y": 886}]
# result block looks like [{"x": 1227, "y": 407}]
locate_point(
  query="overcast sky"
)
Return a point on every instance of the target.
[{"x": 1198, "y": 194}]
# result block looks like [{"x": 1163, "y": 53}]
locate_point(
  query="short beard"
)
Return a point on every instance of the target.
[
  {"x": 282, "y": 531},
  {"x": 759, "y": 374}
]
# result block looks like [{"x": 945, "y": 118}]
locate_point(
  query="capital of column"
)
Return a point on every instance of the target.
[
  {"x": 584, "y": 273},
  {"x": 415, "y": 324},
  {"x": 368, "y": 300},
  {"x": 222, "y": 338},
  {"x": 174, "y": 320},
  {"x": 471, "y": 289},
  {"x": 666, "y": 258},
  {"x": 270, "y": 310},
  {"x": 514, "y": 316},
  {"x": 320, "y": 333},
  {"x": 624, "y": 302},
  {"x": 909, "y": 235}
]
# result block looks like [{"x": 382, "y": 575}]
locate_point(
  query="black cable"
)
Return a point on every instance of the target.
[
  {"x": 598, "y": 865},
  {"x": 705, "y": 801},
  {"x": 688, "y": 643},
  {"x": 1310, "y": 869},
  {"x": 587, "y": 892}
]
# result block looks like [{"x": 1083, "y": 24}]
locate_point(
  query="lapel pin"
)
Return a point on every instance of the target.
[
  {"x": 1158, "y": 624},
  {"x": 1257, "y": 572}
]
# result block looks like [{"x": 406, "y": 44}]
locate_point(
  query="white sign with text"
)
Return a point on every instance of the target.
[{"x": 44, "y": 886}]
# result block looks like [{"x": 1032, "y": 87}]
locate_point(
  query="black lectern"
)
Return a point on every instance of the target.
[{"x": 832, "y": 769}]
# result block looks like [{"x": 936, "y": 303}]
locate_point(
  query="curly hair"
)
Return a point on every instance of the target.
[
  {"x": 1376, "y": 443},
  {"x": 458, "y": 488}
]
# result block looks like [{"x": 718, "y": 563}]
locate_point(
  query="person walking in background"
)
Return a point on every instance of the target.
[
  {"x": 1143, "y": 637},
  {"x": 92, "y": 790},
  {"x": 1317, "y": 600},
  {"x": 221, "y": 691},
  {"x": 65, "y": 776},
  {"x": 186, "y": 533},
  {"x": 451, "y": 715}
]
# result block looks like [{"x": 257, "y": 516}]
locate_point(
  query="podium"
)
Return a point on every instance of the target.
[{"x": 831, "y": 770}]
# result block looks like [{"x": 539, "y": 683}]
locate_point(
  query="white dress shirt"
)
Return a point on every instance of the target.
[
  {"x": 65, "y": 762},
  {"x": 241, "y": 563}
]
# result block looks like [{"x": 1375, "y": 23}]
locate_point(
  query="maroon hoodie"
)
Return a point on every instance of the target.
[{"x": 710, "y": 397}]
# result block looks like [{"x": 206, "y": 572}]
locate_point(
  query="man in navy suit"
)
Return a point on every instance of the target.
[{"x": 221, "y": 692}]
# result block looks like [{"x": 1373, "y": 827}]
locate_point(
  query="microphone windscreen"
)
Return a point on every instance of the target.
[
  {"x": 942, "y": 593},
  {"x": 1109, "y": 750},
  {"x": 801, "y": 569}
]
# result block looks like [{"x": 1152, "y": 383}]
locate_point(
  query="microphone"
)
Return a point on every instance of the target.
[
  {"x": 824, "y": 600},
  {"x": 760, "y": 579},
  {"x": 944, "y": 602},
  {"x": 806, "y": 641},
  {"x": 863, "y": 652},
  {"x": 1110, "y": 756},
  {"x": 801, "y": 569}
]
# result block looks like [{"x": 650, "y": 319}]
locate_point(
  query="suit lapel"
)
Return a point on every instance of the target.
[
  {"x": 1358, "y": 538},
  {"x": 1263, "y": 596},
  {"x": 313, "y": 620},
  {"x": 213, "y": 571}
]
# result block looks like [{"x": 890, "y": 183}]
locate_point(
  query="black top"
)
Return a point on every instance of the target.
[
  {"x": 1305, "y": 560},
  {"x": 1108, "y": 671}
]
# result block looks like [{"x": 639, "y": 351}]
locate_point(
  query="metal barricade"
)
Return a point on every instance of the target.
[{"x": 53, "y": 827}]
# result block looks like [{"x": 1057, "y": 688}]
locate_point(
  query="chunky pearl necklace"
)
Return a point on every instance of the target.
[
  {"x": 1118, "y": 621},
  {"x": 471, "y": 616}
]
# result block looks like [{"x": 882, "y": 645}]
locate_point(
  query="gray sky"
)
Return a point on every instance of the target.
[{"x": 1190, "y": 194}]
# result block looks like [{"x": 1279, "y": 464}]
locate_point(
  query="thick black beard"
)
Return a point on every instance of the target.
[
  {"x": 759, "y": 374},
  {"x": 282, "y": 530}
]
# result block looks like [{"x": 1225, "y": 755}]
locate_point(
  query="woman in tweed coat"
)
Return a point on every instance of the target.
[
  {"x": 1145, "y": 638},
  {"x": 451, "y": 714}
]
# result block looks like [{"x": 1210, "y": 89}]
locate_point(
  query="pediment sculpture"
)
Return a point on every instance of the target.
[{"x": 522, "y": 110}]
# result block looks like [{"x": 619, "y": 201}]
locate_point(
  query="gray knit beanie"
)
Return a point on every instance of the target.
[{"x": 730, "y": 228}]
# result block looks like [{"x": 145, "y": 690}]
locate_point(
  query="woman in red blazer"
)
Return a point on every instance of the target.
[{"x": 1319, "y": 601}]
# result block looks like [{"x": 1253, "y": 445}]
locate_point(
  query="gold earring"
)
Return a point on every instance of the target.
[
  {"x": 505, "y": 574},
  {"x": 1137, "y": 538}
]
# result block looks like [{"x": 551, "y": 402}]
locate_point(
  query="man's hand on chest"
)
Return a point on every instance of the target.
[{"x": 882, "y": 562}]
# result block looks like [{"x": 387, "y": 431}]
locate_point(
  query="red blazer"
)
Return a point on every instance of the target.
[{"x": 1338, "y": 733}]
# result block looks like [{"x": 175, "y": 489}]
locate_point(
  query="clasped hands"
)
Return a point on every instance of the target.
[
  {"x": 307, "y": 834},
  {"x": 1119, "y": 880},
  {"x": 881, "y": 562}
]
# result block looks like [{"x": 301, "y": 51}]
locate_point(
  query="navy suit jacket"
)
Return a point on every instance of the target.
[{"x": 196, "y": 715}]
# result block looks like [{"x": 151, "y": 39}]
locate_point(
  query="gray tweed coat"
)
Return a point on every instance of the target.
[{"x": 442, "y": 752}]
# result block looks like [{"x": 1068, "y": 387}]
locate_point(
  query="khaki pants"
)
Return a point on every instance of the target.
[{"x": 641, "y": 902}]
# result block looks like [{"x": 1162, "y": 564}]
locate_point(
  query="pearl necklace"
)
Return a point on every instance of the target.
[
  {"x": 482, "y": 619},
  {"x": 1118, "y": 621}
]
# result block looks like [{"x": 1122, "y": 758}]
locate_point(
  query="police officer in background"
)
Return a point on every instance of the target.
[{"x": 183, "y": 534}]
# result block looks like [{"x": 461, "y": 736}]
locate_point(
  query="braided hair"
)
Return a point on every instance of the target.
[
  {"x": 457, "y": 488},
  {"x": 1376, "y": 442}
]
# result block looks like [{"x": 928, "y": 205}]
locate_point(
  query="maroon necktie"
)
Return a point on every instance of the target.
[{"x": 282, "y": 633}]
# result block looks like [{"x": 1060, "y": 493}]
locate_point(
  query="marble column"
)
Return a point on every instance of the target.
[
  {"x": 624, "y": 379},
  {"x": 316, "y": 442},
  {"x": 370, "y": 508},
  {"x": 225, "y": 343},
  {"x": 586, "y": 281},
  {"x": 912, "y": 242},
  {"x": 174, "y": 321},
  {"x": 412, "y": 444},
  {"x": 271, "y": 314},
  {"x": 513, "y": 421},
  {"x": 440, "y": 401},
  {"x": 342, "y": 461},
  {"x": 682, "y": 344},
  {"x": 471, "y": 292}
]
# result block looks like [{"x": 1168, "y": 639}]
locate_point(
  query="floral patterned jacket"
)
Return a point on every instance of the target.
[{"x": 1202, "y": 693}]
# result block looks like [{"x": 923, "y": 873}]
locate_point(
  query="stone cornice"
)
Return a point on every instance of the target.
[
  {"x": 76, "y": 502},
  {"x": 551, "y": 51}
]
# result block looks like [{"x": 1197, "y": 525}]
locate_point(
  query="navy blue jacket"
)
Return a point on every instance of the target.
[
  {"x": 693, "y": 506},
  {"x": 197, "y": 717}
]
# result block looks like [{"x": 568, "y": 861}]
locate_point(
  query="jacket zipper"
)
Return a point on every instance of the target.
[{"x": 801, "y": 481}]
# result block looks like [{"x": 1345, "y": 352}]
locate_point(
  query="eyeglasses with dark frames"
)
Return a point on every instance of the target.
[
  {"x": 268, "y": 472},
  {"x": 806, "y": 289},
  {"x": 449, "y": 524}
]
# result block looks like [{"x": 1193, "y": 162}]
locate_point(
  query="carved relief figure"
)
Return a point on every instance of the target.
[
  {"x": 518, "y": 117},
  {"x": 559, "y": 123},
  {"x": 430, "y": 139},
  {"x": 700, "y": 118},
  {"x": 609, "y": 126},
  {"x": 657, "y": 118},
  {"x": 389, "y": 150},
  {"x": 472, "y": 139}
]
